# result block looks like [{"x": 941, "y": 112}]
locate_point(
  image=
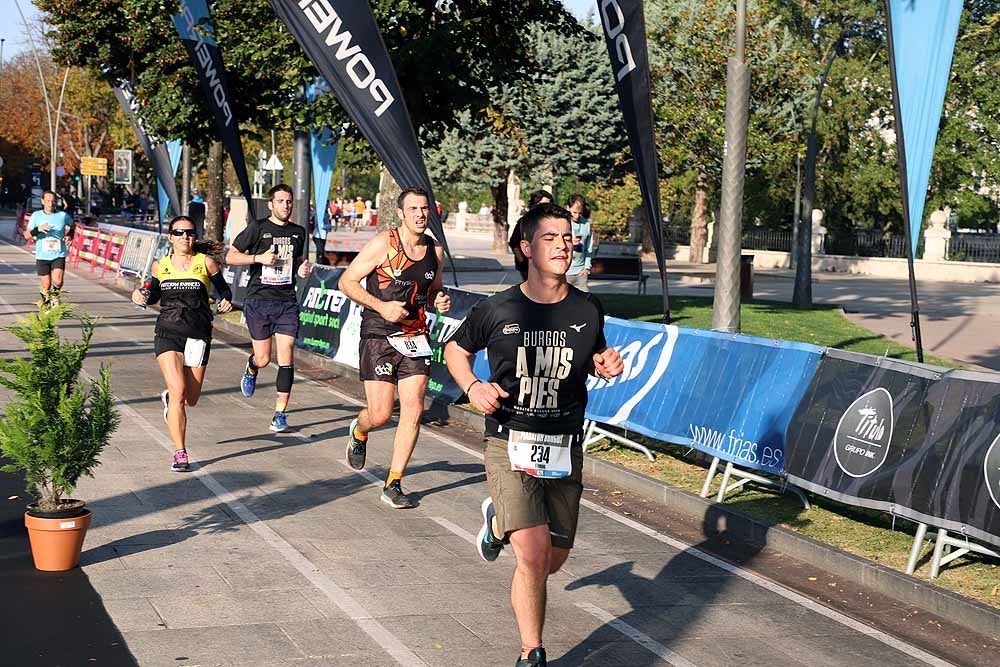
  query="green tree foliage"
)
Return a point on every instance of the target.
[
  {"x": 562, "y": 123},
  {"x": 53, "y": 428},
  {"x": 690, "y": 42},
  {"x": 447, "y": 55}
]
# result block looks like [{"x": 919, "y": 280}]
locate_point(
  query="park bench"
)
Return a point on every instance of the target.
[{"x": 619, "y": 261}]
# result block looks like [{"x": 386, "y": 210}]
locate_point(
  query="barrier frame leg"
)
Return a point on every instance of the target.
[
  {"x": 944, "y": 552},
  {"x": 918, "y": 543},
  {"x": 743, "y": 476},
  {"x": 593, "y": 433},
  {"x": 713, "y": 468}
]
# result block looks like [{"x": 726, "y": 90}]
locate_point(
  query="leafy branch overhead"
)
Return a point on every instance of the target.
[{"x": 448, "y": 57}]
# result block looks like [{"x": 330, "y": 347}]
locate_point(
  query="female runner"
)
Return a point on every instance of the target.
[{"x": 180, "y": 283}]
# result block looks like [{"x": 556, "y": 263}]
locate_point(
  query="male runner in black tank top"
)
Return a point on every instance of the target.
[{"x": 401, "y": 269}]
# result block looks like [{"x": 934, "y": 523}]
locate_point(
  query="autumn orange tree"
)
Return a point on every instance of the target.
[{"x": 91, "y": 122}]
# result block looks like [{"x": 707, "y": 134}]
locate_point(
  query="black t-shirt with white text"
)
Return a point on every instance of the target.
[
  {"x": 276, "y": 282},
  {"x": 540, "y": 354}
]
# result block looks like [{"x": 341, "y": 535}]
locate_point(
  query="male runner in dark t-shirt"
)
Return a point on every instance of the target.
[
  {"x": 401, "y": 269},
  {"x": 274, "y": 249},
  {"x": 542, "y": 337}
]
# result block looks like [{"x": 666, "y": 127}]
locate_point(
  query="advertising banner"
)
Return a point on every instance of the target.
[
  {"x": 162, "y": 198},
  {"x": 625, "y": 35},
  {"x": 324, "y": 158},
  {"x": 323, "y": 311},
  {"x": 238, "y": 278},
  {"x": 123, "y": 167},
  {"x": 197, "y": 35},
  {"x": 440, "y": 329},
  {"x": 726, "y": 395},
  {"x": 912, "y": 440},
  {"x": 341, "y": 38}
]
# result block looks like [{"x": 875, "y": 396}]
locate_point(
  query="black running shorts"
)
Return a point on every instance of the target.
[
  {"x": 381, "y": 362},
  {"x": 179, "y": 344},
  {"x": 266, "y": 317},
  {"x": 44, "y": 266}
]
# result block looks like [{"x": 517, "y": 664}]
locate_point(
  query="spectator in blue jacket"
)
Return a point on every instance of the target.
[{"x": 583, "y": 243}]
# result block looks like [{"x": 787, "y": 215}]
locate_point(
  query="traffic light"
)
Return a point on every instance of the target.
[{"x": 76, "y": 176}]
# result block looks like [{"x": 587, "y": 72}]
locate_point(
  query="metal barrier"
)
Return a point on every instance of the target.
[
  {"x": 140, "y": 250},
  {"x": 111, "y": 251},
  {"x": 85, "y": 241}
]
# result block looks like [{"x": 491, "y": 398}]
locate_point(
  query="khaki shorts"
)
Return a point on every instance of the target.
[{"x": 523, "y": 501}]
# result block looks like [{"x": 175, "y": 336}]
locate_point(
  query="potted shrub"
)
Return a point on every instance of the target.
[{"x": 53, "y": 429}]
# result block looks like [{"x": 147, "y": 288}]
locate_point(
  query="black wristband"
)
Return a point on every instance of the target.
[
  {"x": 221, "y": 286},
  {"x": 471, "y": 385}
]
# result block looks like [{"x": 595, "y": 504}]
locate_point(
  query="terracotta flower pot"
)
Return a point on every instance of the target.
[{"x": 56, "y": 542}]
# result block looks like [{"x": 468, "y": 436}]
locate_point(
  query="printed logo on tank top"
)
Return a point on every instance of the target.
[
  {"x": 396, "y": 282},
  {"x": 538, "y": 384}
]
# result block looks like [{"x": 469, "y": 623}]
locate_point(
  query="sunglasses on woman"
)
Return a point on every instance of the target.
[{"x": 184, "y": 232}]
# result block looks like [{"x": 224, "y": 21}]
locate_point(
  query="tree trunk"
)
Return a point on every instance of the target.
[
  {"x": 699, "y": 223},
  {"x": 388, "y": 192},
  {"x": 213, "y": 193},
  {"x": 499, "y": 190}
]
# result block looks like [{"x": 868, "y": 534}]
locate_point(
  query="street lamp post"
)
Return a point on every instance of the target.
[{"x": 53, "y": 126}]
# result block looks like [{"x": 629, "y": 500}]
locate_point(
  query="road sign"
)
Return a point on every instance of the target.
[
  {"x": 94, "y": 166},
  {"x": 60, "y": 171},
  {"x": 274, "y": 164}
]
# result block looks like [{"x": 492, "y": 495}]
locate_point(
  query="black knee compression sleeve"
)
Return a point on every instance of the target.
[{"x": 285, "y": 376}]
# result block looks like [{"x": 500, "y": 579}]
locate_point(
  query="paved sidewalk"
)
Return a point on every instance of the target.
[{"x": 273, "y": 552}]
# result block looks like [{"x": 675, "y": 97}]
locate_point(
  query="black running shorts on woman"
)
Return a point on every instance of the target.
[{"x": 540, "y": 354}]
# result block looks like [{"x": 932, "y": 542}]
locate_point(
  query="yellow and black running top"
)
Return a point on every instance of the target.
[{"x": 184, "y": 308}]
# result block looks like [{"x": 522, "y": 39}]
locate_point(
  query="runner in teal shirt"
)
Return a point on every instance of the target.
[{"x": 51, "y": 230}]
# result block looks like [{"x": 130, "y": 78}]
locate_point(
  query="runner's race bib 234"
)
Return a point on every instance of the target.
[{"x": 539, "y": 454}]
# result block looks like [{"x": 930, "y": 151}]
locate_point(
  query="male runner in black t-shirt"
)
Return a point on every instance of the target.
[
  {"x": 543, "y": 337},
  {"x": 274, "y": 249},
  {"x": 401, "y": 269}
]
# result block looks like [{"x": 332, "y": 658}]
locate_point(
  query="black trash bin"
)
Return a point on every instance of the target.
[{"x": 746, "y": 277}]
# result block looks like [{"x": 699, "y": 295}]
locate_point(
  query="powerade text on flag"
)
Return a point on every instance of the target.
[
  {"x": 196, "y": 33},
  {"x": 625, "y": 35},
  {"x": 341, "y": 39},
  {"x": 158, "y": 157},
  {"x": 916, "y": 441},
  {"x": 923, "y": 42}
]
